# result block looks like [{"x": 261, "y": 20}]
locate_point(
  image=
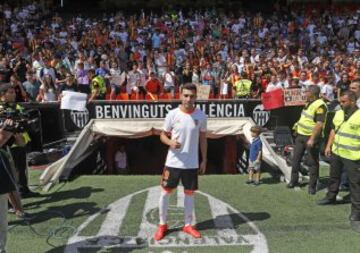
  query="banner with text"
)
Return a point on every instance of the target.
[{"x": 293, "y": 97}]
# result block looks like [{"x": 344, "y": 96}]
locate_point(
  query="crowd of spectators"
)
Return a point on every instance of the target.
[{"x": 146, "y": 55}]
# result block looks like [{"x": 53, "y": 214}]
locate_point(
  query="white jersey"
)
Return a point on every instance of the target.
[{"x": 186, "y": 128}]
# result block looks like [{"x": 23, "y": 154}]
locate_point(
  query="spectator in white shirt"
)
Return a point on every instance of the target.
[
  {"x": 121, "y": 163},
  {"x": 273, "y": 85},
  {"x": 327, "y": 89}
]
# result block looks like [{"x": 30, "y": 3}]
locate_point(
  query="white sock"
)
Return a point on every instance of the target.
[
  {"x": 189, "y": 207},
  {"x": 163, "y": 206}
]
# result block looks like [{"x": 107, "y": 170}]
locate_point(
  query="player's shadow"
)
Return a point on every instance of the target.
[
  {"x": 237, "y": 220},
  {"x": 64, "y": 212},
  {"x": 58, "y": 196}
]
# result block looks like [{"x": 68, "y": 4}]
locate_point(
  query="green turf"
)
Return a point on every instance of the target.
[
  {"x": 290, "y": 219},
  {"x": 133, "y": 217}
]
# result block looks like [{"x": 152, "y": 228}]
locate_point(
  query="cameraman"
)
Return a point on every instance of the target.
[
  {"x": 7, "y": 185},
  {"x": 8, "y": 96}
]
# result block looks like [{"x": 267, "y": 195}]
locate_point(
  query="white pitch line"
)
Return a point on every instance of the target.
[
  {"x": 114, "y": 217},
  {"x": 222, "y": 219},
  {"x": 147, "y": 230}
]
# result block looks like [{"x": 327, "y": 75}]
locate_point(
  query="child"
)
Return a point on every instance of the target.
[{"x": 255, "y": 156}]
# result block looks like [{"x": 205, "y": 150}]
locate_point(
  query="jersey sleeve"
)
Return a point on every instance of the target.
[{"x": 168, "y": 122}]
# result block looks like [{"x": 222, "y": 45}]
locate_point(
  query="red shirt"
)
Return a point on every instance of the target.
[{"x": 153, "y": 86}]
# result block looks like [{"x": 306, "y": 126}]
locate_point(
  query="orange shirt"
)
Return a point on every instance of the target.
[{"x": 153, "y": 86}]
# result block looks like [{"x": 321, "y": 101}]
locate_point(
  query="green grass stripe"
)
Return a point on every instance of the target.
[
  {"x": 132, "y": 220},
  {"x": 204, "y": 219},
  {"x": 173, "y": 198},
  {"x": 94, "y": 227}
]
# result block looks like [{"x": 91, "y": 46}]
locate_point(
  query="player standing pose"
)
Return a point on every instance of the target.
[{"x": 184, "y": 130}]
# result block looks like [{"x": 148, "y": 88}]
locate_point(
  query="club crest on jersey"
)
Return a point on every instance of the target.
[{"x": 227, "y": 231}]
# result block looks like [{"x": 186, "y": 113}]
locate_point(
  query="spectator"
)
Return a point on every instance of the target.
[
  {"x": 97, "y": 86},
  {"x": 47, "y": 90},
  {"x": 274, "y": 84},
  {"x": 327, "y": 89},
  {"x": 255, "y": 87},
  {"x": 355, "y": 87},
  {"x": 243, "y": 87},
  {"x": 19, "y": 90},
  {"x": 5, "y": 70},
  {"x": 69, "y": 85},
  {"x": 82, "y": 78},
  {"x": 294, "y": 84},
  {"x": 288, "y": 44},
  {"x": 343, "y": 84},
  {"x": 153, "y": 85},
  {"x": 31, "y": 86},
  {"x": 169, "y": 82}
]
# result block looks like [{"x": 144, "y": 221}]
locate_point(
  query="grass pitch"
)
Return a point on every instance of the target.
[{"x": 290, "y": 219}]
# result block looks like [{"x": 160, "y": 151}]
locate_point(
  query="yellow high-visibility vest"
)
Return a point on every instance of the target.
[
  {"x": 347, "y": 138},
  {"x": 306, "y": 123},
  {"x": 26, "y": 136},
  {"x": 243, "y": 87},
  {"x": 100, "y": 83}
]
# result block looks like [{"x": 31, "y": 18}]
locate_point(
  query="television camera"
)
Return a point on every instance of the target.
[{"x": 23, "y": 120}]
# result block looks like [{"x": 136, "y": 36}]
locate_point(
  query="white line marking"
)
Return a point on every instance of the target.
[
  {"x": 114, "y": 218},
  {"x": 147, "y": 230},
  {"x": 223, "y": 222}
]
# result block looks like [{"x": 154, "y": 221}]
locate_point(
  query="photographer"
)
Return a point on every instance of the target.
[
  {"x": 18, "y": 152},
  {"x": 7, "y": 185}
]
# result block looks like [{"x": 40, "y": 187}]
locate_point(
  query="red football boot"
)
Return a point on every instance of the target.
[
  {"x": 161, "y": 232},
  {"x": 191, "y": 231}
]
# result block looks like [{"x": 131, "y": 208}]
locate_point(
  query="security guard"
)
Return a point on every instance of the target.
[
  {"x": 242, "y": 87},
  {"x": 309, "y": 130},
  {"x": 344, "y": 148},
  {"x": 97, "y": 86},
  {"x": 8, "y": 96}
]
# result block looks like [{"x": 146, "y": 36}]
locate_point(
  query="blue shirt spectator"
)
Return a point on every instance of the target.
[{"x": 255, "y": 148}]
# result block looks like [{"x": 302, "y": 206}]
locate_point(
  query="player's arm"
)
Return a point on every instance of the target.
[
  {"x": 320, "y": 117},
  {"x": 165, "y": 138},
  {"x": 203, "y": 146},
  {"x": 203, "y": 151},
  {"x": 317, "y": 129}
]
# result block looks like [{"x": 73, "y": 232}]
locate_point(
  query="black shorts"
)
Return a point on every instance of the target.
[{"x": 171, "y": 177}]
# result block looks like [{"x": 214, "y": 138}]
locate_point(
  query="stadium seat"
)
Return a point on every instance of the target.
[
  {"x": 107, "y": 96},
  {"x": 133, "y": 96},
  {"x": 165, "y": 96}
]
